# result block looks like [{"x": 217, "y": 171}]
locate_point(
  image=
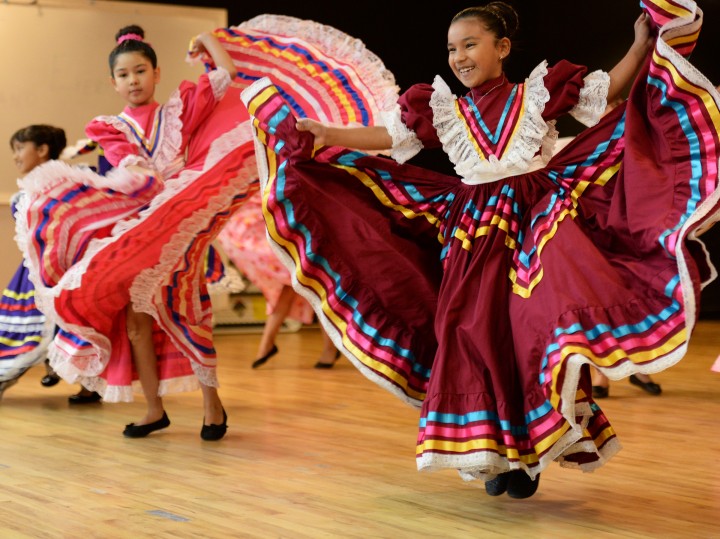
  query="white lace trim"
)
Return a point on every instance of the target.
[
  {"x": 142, "y": 289},
  {"x": 593, "y": 99},
  {"x": 52, "y": 174},
  {"x": 405, "y": 143},
  {"x": 219, "y": 82},
  {"x": 348, "y": 52},
  {"x": 533, "y": 133},
  {"x": 126, "y": 393},
  {"x": 169, "y": 143},
  {"x": 131, "y": 160}
]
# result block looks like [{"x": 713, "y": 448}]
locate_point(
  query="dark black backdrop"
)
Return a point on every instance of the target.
[{"x": 411, "y": 42}]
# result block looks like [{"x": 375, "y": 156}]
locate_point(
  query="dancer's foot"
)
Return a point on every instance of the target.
[
  {"x": 645, "y": 383},
  {"x": 520, "y": 485},
  {"x": 497, "y": 486},
  {"x": 51, "y": 378},
  {"x": 327, "y": 359},
  {"x": 262, "y": 360},
  {"x": 212, "y": 432},
  {"x": 135, "y": 430},
  {"x": 84, "y": 396}
]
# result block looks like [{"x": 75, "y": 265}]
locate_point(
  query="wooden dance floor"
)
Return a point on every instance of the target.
[{"x": 314, "y": 454}]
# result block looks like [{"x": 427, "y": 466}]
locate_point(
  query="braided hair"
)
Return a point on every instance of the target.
[{"x": 498, "y": 17}]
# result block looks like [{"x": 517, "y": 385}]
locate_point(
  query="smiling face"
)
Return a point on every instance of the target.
[
  {"x": 27, "y": 155},
  {"x": 134, "y": 78},
  {"x": 474, "y": 53}
]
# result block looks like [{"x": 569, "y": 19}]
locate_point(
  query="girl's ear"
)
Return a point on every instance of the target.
[
  {"x": 43, "y": 151},
  {"x": 503, "y": 47},
  {"x": 157, "y": 74},
  {"x": 113, "y": 83}
]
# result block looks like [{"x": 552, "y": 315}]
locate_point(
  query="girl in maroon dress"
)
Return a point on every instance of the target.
[{"x": 484, "y": 298}]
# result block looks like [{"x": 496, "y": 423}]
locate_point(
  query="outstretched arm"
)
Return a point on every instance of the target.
[
  {"x": 626, "y": 69},
  {"x": 206, "y": 42},
  {"x": 360, "y": 138}
]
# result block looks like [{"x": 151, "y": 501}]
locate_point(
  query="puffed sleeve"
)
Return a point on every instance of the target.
[
  {"x": 113, "y": 142},
  {"x": 199, "y": 99},
  {"x": 572, "y": 90},
  {"x": 411, "y": 124}
]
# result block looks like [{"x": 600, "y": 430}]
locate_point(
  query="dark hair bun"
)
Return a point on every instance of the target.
[
  {"x": 507, "y": 14},
  {"x": 131, "y": 29}
]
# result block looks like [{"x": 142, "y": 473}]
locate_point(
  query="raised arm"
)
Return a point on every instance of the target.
[
  {"x": 360, "y": 138},
  {"x": 626, "y": 69},
  {"x": 207, "y": 42}
]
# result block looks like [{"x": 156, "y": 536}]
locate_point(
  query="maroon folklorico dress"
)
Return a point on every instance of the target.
[{"x": 484, "y": 298}]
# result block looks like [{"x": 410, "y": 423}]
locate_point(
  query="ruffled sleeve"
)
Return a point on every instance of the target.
[
  {"x": 574, "y": 91},
  {"x": 114, "y": 143},
  {"x": 199, "y": 99},
  {"x": 411, "y": 124}
]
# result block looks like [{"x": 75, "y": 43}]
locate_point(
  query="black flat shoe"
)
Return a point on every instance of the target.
[
  {"x": 140, "y": 431},
  {"x": 520, "y": 486},
  {"x": 321, "y": 365},
  {"x": 79, "y": 398},
  {"x": 649, "y": 387},
  {"x": 497, "y": 486},
  {"x": 49, "y": 380},
  {"x": 212, "y": 433},
  {"x": 600, "y": 392},
  {"x": 262, "y": 360}
]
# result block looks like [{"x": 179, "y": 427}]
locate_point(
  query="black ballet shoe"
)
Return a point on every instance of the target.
[
  {"x": 497, "y": 486},
  {"x": 140, "y": 431},
  {"x": 520, "y": 486},
  {"x": 600, "y": 392},
  {"x": 49, "y": 380},
  {"x": 262, "y": 360},
  {"x": 79, "y": 398},
  {"x": 322, "y": 365},
  {"x": 649, "y": 387},
  {"x": 212, "y": 433}
]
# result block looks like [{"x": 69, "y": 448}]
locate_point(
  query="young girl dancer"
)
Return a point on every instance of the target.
[
  {"x": 484, "y": 298},
  {"x": 118, "y": 261},
  {"x": 24, "y": 331},
  {"x": 245, "y": 242}
]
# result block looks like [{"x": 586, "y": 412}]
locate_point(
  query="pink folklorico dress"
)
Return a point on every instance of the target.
[
  {"x": 244, "y": 240},
  {"x": 96, "y": 244},
  {"x": 483, "y": 298}
]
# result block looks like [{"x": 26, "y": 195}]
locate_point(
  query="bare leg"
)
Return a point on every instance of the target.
[
  {"x": 139, "y": 329},
  {"x": 329, "y": 354},
  {"x": 275, "y": 320},
  {"x": 644, "y": 378},
  {"x": 599, "y": 379},
  {"x": 212, "y": 405}
]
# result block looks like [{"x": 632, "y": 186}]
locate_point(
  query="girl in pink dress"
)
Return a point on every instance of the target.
[
  {"x": 244, "y": 240},
  {"x": 118, "y": 261}
]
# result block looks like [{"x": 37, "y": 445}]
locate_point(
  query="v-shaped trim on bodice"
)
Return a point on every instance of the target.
[
  {"x": 489, "y": 143},
  {"x": 150, "y": 142}
]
